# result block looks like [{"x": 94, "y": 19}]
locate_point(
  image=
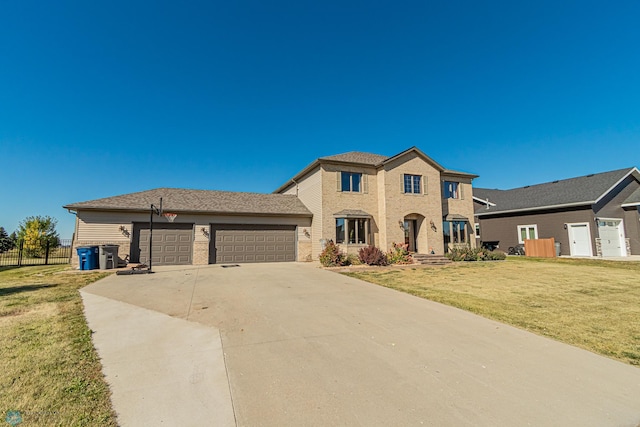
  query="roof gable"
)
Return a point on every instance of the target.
[
  {"x": 200, "y": 201},
  {"x": 419, "y": 153},
  {"x": 583, "y": 190},
  {"x": 369, "y": 159}
]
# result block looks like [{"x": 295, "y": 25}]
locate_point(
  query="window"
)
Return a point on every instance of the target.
[
  {"x": 451, "y": 190},
  {"x": 412, "y": 184},
  {"x": 477, "y": 227},
  {"x": 458, "y": 231},
  {"x": 527, "y": 232},
  {"x": 454, "y": 232},
  {"x": 352, "y": 231},
  {"x": 340, "y": 228},
  {"x": 446, "y": 231},
  {"x": 350, "y": 181}
]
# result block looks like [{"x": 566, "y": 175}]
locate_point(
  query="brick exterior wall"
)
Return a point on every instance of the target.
[
  {"x": 424, "y": 208},
  {"x": 304, "y": 251},
  {"x": 385, "y": 200},
  {"x": 334, "y": 201},
  {"x": 200, "y": 253}
]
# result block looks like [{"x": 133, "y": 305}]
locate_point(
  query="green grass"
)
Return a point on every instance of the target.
[
  {"x": 592, "y": 304},
  {"x": 50, "y": 371}
]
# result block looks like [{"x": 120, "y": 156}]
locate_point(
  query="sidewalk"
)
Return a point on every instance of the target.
[{"x": 161, "y": 370}]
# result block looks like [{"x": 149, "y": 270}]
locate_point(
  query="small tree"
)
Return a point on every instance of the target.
[
  {"x": 331, "y": 256},
  {"x": 13, "y": 241},
  {"x": 37, "y": 232},
  {"x": 5, "y": 243},
  {"x": 399, "y": 254}
]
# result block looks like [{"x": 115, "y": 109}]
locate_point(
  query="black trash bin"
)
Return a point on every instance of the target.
[{"x": 108, "y": 257}]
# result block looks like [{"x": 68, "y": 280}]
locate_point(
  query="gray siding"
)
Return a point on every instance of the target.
[
  {"x": 550, "y": 224},
  {"x": 632, "y": 228},
  {"x": 503, "y": 228},
  {"x": 610, "y": 206}
]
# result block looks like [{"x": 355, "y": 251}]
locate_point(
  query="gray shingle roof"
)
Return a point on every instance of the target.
[
  {"x": 203, "y": 201},
  {"x": 574, "y": 191},
  {"x": 357, "y": 157}
]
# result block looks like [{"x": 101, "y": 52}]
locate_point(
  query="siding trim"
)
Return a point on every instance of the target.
[{"x": 538, "y": 208}]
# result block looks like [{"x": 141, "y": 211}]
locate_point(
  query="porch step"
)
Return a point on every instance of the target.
[{"x": 428, "y": 259}]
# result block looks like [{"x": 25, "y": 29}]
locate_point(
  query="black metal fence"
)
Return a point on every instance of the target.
[{"x": 37, "y": 254}]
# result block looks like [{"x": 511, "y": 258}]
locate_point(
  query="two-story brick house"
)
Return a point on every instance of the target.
[
  {"x": 355, "y": 199},
  {"x": 358, "y": 199}
]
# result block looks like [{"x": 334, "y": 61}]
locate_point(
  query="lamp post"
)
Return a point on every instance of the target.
[{"x": 157, "y": 211}]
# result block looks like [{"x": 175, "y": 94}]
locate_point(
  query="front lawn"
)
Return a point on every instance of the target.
[
  {"x": 51, "y": 375},
  {"x": 591, "y": 304}
]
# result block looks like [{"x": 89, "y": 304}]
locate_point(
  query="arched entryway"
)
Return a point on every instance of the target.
[{"x": 412, "y": 231}]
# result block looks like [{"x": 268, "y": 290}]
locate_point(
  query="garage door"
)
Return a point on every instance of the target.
[
  {"x": 610, "y": 237},
  {"x": 252, "y": 243},
  {"x": 172, "y": 243}
]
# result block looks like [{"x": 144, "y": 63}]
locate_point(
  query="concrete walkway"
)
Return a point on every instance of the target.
[
  {"x": 303, "y": 346},
  {"x": 161, "y": 370}
]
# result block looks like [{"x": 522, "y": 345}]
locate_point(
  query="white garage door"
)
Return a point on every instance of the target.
[{"x": 611, "y": 238}]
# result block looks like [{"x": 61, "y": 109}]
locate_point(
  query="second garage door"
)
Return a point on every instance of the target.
[{"x": 252, "y": 243}]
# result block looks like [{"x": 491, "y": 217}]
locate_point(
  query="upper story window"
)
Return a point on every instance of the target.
[
  {"x": 350, "y": 182},
  {"x": 412, "y": 184},
  {"x": 451, "y": 190}
]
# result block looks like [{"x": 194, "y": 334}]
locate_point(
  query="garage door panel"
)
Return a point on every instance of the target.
[
  {"x": 252, "y": 243},
  {"x": 172, "y": 243}
]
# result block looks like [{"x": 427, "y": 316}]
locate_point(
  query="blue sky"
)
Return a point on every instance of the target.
[{"x": 105, "y": 98}]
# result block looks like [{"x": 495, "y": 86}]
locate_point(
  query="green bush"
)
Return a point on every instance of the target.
[
  {"x": 371, "y": 255},
  {"x": 468, "y": 253},
  {"x": 331, "y": 256},
  {"x": 399, "y": 254}
]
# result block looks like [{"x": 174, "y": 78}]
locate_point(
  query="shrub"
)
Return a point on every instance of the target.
[
  {"x": 331, "y": 256},
  {"x": 496, "y": 256},
  {"x": 468, "y": 253},
  {"x": 372, "y": 255},
  {"x": 399, "y": 254},
  {"x": 352, "y": 259}
]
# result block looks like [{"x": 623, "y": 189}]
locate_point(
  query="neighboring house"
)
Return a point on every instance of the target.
[
  {"x": 355, "y": 199},
  {"x": 593, "y": 215},
  {"x": 360, "y": 199}
]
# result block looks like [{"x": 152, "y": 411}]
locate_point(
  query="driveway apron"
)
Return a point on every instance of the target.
[{"x": 304, "y": 346}]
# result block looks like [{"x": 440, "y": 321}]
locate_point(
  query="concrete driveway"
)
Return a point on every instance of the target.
[{"x": 290, "y": 344}]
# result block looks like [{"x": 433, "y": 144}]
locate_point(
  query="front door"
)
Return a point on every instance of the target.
[
  {"x": 410, "y": 235},
  {"x": 580, "y": 239},
  {"x": 610, "y": 237}
]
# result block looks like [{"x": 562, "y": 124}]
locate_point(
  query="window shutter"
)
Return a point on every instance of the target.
[
  {"x": 339, "y": 179},
  {"x": 365, "y": 183},
  {"x": 461, "y": 189},
  {"x": 401, "y": 183},
  {"x": 424, "y": 185}
]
